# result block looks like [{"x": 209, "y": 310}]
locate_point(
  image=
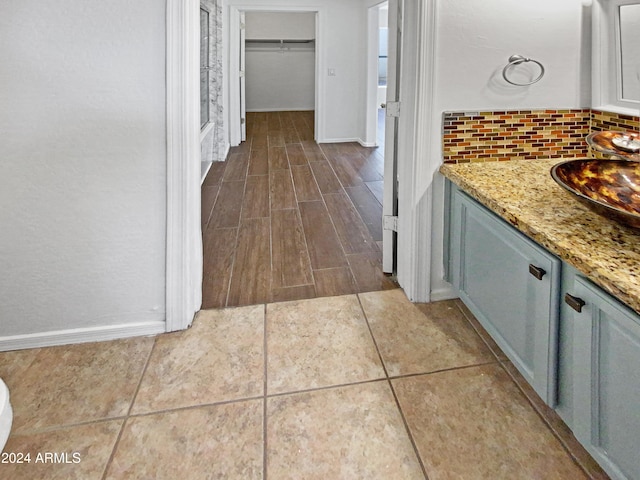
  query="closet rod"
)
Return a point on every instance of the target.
[{"x": 272, "y": 41}]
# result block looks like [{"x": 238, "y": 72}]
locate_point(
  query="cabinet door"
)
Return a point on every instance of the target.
[
  {"x": 606, "y": 400},
  {"x": 512, "y": 286}
]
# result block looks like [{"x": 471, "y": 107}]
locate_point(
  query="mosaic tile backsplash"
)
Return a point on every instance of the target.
[{"x": 525, "y": 134}]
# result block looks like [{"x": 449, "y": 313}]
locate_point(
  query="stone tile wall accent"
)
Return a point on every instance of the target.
[
  {"x": 525, "y": 134},
  {"x": 218, "y": 143},
  {"x": 514, "y": 134}
]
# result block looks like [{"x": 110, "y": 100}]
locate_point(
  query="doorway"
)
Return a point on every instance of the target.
[{"x": 263, "y": 35}]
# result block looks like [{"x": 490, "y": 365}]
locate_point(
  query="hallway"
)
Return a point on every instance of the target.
[{"x": 284, "y": 218}]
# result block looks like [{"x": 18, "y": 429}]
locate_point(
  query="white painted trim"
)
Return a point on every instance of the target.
[
  {"x": 207, "y": 128},
  {"x": 81, "y": 335},
  {"x": 340, "y": 140},
  {"x": 233, "y": 46},
  {"x": 367, "y": 144},
  {"x": 184, "y": 244},
  {"x": 443, "y": 294},
  {"x": 415, "y": 162},
  {"x": 373, "y": 33}
]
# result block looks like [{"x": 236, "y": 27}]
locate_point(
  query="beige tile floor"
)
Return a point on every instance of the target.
[{"x": 365, "y": 386}]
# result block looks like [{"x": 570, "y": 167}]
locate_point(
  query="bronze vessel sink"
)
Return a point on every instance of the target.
[{"x": 609, "y": 187}]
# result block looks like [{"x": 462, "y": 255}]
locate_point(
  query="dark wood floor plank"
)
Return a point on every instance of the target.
[
  {"x": 237, "y": 166},
  {"x": 226, "y": 211},
  {"x": 369, "y": 209},
  {"x": 325, "y": 177},
  {"x": 275, "y": 139},
  {"x": 214, "y": 176},
  {"x": 288, "y": 294},
  {"x": 377, "y": 188},
  {"x": 277, "y": 158},
  {"x": 270, "y": 236},
  {"x": 290, "y": 258},
  {"x": 258, "y": 161},
  {"x": 334, "y": 281},
  {"x": 343, "y": 169},
  {"x": 305, "y": 184},
  {"x": 256, "y": 197},
  {"x": 250, "y": 281},
  {"x": 260, "y": 140},
  {"x": 296, "y": 155},
  {"x": 368, "y": 169},
  {"x": 281, "y": 190},
  {"x": 367, "y": 271},
  {"x": 324, "y": 246},
  {"x": 219, "y": 248},
  {"x": 352, "y": 231},
  {"x": 209, "y": 195}
]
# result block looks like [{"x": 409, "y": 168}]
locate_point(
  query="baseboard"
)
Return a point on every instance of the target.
[
  {"x": 339, "y": 140},
  {"x": 447, "y": 293},
  {"x": 81, "y": 335},
  {"x": 367, "y": 144},
  {"x": 204, "y": 169},
  {"x": 280, "y": 109}
]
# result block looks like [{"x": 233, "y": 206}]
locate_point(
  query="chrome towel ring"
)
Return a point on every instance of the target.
[{"x": 517, "y": 60}]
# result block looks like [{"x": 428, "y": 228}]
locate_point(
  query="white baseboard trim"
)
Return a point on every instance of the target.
[
  {"x": 204, "y": 169},
  {"x": 443, "y": 294},
  {"x": 280, "y": 109},
  {"x": 367, "y": 144},
  {"x": 339, "y": 140},
  {"x": 227, "y": 147},
  {"x": 81, "y": 335}
]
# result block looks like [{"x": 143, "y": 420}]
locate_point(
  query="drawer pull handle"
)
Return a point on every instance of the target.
[
  {"x": 574, "y": 302},
  {"x": 537, "y": 271}
]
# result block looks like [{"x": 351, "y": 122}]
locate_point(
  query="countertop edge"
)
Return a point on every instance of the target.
[{"x": 554, "y": 246}]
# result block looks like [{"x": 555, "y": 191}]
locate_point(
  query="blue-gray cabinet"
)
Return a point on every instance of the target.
[
  {"x": 512, "y": 287},
  {"x": 576, "y": 345},
  {"x": 606, "y": 379}
]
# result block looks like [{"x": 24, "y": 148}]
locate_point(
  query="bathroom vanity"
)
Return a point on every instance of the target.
[{"x": 558, "y": 288}]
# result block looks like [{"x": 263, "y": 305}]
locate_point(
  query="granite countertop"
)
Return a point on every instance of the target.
[{"x": 523, "y": 193}]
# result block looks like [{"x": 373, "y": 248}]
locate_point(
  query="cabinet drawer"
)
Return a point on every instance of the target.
[{"x": 512, "y": 286}]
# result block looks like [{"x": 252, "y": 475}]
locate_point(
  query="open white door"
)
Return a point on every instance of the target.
[
  {"x": 390, "y": 197},
  {"x": 243, "y": 105}
]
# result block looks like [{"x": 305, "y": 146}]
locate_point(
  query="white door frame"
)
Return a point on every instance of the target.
[
  {"x": 371, "y": 123},
  {"x": 235, "y": 135},
  {"x": 416, "y": 147},
  {"x": 184, "y": 261},
  {"x": 415, "y": 167}
]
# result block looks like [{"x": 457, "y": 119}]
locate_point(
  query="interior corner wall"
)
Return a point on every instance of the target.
[
  {"x": 473, "y": 43},
  {"x": 341, "y": 46},
  {"x": 83, "y": 183}
]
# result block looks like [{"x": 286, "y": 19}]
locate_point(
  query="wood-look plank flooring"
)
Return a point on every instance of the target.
[{"x": 284, "y": 218}]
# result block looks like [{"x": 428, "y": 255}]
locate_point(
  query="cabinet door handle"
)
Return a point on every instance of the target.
[
  {"x": 574, "y": 302},
  {"x": 536, "y": 271}
]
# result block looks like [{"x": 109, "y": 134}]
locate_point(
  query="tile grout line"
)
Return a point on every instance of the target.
[
  {"x": 393, "y": 392},
  {"x": 127, "y": 416},
  {"x": 264, "y": 399}
]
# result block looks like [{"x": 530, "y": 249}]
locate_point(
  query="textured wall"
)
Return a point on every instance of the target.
[{"x": 83, "y": 169}]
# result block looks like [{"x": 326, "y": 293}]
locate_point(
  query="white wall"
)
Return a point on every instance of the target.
[
  {"x": 474, "y": 42},
  {"x": 83, "y": 180},
  {"x": 273, "y": 25},
  {"x": 341, "y": 45},
  {"x": 278, "y": 78}
]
